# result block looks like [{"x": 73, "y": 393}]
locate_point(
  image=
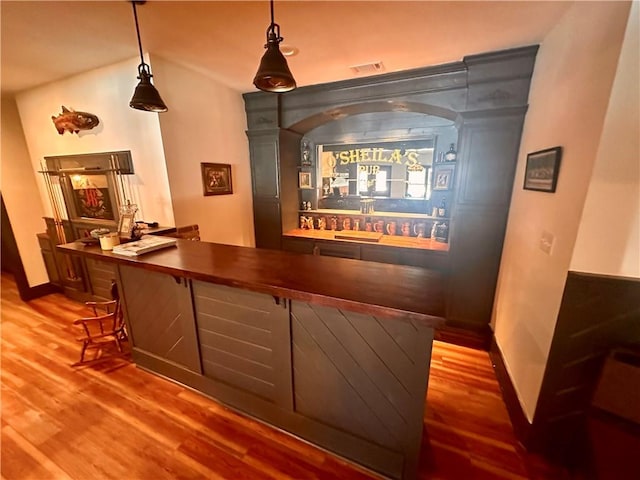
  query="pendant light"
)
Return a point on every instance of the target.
[
  {"x": 274, "y": 74},
  {"x": 145, "y": 97}
]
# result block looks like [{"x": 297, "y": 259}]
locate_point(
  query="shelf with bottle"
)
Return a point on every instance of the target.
[
  {"x": 449, "y": 157},
  {"x": 373, "y": 229}
]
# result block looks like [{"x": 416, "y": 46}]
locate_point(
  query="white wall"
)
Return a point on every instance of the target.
[
  {"x": 20, "y": 193},
  {"x": 569, "y": 95},
  {"x": 609, "y": 236},
  {"x": 206, "y": 122},
  {"x": 104, "y": 92}
]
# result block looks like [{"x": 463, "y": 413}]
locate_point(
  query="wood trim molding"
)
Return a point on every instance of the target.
[
  {"x": 39, "y": 291},
  {"x": 465, "y": 337},
  {"x": 521, "y": 426}
]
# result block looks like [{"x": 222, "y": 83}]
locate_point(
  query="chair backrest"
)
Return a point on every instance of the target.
[
  {"x": 188, "y": 232},
  {"x": 105, "y": 327}
]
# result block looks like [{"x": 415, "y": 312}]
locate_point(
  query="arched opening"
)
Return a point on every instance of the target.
[
  {"x": 383, "y": 108},
  {"x": 381, "y": 155}
]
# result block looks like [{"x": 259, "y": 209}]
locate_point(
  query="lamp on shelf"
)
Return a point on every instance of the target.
[
  {"x": 145, "y": 97},
  {"x": 274, "y": 74}
]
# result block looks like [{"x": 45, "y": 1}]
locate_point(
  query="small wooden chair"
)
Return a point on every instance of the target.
[
  {"x": 103, "y": 329},
  {"x": 188, "y": 232}
]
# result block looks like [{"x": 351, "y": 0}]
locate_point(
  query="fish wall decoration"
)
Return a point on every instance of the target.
[{"x": 71, "y": 121}]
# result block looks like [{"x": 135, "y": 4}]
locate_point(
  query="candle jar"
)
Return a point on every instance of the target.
[{"x": 109, "y": 240}]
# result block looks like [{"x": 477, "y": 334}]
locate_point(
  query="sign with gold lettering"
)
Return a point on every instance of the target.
[
  {"x": 376, "y": 169},
  {"x": 361, "y": 155}
]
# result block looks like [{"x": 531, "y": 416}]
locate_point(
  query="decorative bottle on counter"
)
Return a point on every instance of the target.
[
  {"x": 442, "y": 232},
  {"x": 451, "y": 155},
  {"x": 442, "y": 209}
]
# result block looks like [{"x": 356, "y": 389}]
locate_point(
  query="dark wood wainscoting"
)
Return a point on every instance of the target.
[{"x": 597, "y": 314}]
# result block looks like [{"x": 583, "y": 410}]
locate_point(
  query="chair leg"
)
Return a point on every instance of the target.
[
  {"x": 84, "y": 349},
  {"x": 82, "y": 352}
]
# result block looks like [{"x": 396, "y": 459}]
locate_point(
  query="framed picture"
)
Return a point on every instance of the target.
[
  {"x": 216, "y": 179},
  {"x": 542, "y": 169},
  {"x": 127, "y": 220},
  {"x": 442, "y": 178},
  {"x": 304, "y": 179},
  {"x": 91, "y": 196}
]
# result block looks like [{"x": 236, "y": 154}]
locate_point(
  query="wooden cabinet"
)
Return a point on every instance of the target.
[
  {"x": 64, "y": 270},
  {"x": 274, "y": 183},
  {"x": 435, "y": 260},
  {"x": 483, "y": 96},
  {"x": 298, "y": 245},
  {"x": 49, "y": 257},
  {"x": 489, "y": 151},
  {"x": 334, "y": 249}
]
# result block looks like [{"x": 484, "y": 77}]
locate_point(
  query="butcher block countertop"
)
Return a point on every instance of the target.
[{"x": 390, "y": 291}]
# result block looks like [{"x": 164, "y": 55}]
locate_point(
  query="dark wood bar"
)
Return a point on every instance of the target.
[
  {"x": 333, "y": 350},
  {"x": 378, "y": 289}
]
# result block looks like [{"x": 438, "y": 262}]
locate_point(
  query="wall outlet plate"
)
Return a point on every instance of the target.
[{"x": 547, "y": 240}]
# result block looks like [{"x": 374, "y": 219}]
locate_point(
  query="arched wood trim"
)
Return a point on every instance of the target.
[{"x": 338, "y": 113}]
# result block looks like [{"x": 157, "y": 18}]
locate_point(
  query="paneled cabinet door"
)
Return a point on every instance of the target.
[
  {"x": 265, "y": 179},
  {"x": 160, "y": 316},
  {"x": 245, "y": 341},
  {"x": 263, "y": 148}
]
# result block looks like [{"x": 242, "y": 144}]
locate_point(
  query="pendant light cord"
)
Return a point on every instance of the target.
[
  {"x": 272, "y": 21},
  {"x": 135, "y": 16},
  {"x": 273, "y": 30}
]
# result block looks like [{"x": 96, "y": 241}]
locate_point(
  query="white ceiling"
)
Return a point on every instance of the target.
[{"x": 43, "y": 41}]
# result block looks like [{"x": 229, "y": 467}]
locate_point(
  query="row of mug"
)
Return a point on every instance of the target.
[{"x": 403, "y": 228}]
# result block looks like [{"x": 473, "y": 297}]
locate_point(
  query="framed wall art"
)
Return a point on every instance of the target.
[
  {"x": 442, "y": 178},
  {"x": 216, "y": 179},
  {"x": 304, "y": 179},
  {"x": 541, "y": 173}
]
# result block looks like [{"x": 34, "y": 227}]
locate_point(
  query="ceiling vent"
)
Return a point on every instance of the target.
[{"x": 367, "y": 68}]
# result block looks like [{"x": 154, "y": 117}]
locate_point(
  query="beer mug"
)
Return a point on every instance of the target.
[
  {"x": 322, "y": 223},
  {"x": 419, "y": 230},
  {"x": 310, "y": 223},
  {"x": 391, "y": 228},
  {"x": 346, "y": 224},
  {"x": 379, "y": 226},
  {"x": 334, "y": 223},
  {"x": 368, "y": 227},
  {"x": 356, "y": 224},
  {"x": 405, "y": 229}
]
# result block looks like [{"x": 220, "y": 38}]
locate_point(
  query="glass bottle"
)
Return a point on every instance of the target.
[
  {"x": 434, "y": 229},
  {"x": 442, "y": 209},
  {"x": 451, "y": 155}
]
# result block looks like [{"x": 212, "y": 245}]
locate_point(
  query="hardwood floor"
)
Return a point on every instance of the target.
[{"x": 115, "y": 421}]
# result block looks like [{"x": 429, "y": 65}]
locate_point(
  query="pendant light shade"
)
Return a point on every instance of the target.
[
  {"x": 273, "y": 73},
  {"x": 145, "y": 97}
]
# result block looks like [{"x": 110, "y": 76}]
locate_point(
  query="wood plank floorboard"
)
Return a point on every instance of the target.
[{"x": 115, "y": 421}]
